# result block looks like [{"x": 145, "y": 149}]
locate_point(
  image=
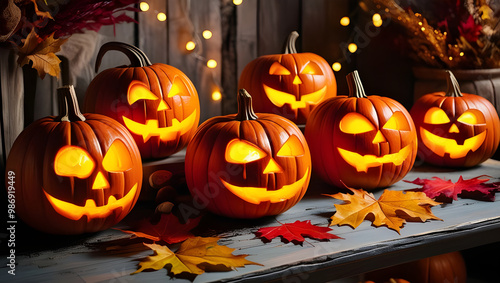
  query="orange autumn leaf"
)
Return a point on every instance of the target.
[
  {"x": 194, "y": 256},
  {"x": 392, "y": 209},
  {"x": 41, "y": 13},
  {"x": 42, "y": 53}
]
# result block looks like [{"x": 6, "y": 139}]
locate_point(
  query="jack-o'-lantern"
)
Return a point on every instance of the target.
[
  {"x": 75, "y": 173},
  {"x": 361, "y": 141},
  {"x": 248, "y": 165},
  {"x": 289, "y": 84},
  {"x": 157, "y": 103},
  {"x": 455, "y": 129}
]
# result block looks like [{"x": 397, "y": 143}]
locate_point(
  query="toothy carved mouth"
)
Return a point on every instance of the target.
[
  {"x": 280, "y": 98},
  {"x": 363, "y": 162},
  {"x": 256, "y": 195},
  {"x": 440, "y": 145},
  {"x": 151, "y": 128},
  {"x": 75, "y": 212}
]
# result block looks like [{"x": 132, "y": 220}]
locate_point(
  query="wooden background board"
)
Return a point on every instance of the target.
[{"x": 96, "y": 258}]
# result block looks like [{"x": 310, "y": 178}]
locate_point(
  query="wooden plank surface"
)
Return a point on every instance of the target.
[{"x": 88, "y": 258}]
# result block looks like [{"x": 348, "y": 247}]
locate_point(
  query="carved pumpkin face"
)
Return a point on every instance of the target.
[
  {"x": 82, "y": 173},
  {"x": 456, "y": 129},
  {"x": 371, "y": 140},
  {"x": 157, "y": 103},
  {"x": 250, "y": 167},
  {"x": 104, "y": 184},
  {"x": 290, "y": 85}
]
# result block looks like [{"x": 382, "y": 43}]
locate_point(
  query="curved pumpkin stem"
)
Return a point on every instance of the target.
[
  {"x": 290, "y": 43},
  {"x": 245, "y": 109},
  {"x": 69, "y": 111},
  {"x": 135, "y": 55},
  {"x": 453, "y": 86},
  {"x": 355, "y": 86}
]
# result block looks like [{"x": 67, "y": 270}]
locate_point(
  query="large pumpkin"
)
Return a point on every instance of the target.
[
  {"x": 157, "y": 103},
  {"x": 455, "y": 129},
  {"x": 248, "y": 165},
  {"x": 289, "y": 84},
  {"x": 361, "y": 141},
  {"x": 74, "y": 173}
]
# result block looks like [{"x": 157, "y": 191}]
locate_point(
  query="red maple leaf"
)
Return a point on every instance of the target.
[
  {"x": 168, "y": 229},
  {"x": 447, "y": 190},
  {"x": 294, "y": 232}
]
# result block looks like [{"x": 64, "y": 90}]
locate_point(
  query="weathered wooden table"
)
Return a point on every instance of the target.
[{"x": 87, "y": 258}]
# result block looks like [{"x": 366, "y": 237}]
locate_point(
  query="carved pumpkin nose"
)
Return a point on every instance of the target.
[
  {"x": 454, "y": 129},
  {"x": 296, "y": 80},
  {"x": 272, "y": 167},
  {"x": 379, "y": 138},
  {"x": 100, "y": 182},
  {"x": 162, "y": 106}
]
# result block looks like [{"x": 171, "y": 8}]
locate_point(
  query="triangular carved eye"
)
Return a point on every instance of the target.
[
  {"x": 178, "y": 88},
  {"x": 291, "y": 148},
  {"x": 311, "y": 68},
  {"x": 117, "y": 159},
  {"x": 73, "y": 161},
  {"x": 472, "y": 117},
  {"x": 436, "y": 115},
  {"x": 137, "y": 91},
  {"x": 397, "y": 122},
  {"x": 278, "y": 69},
  {"x": 355, "y": 123},
  {"x": 242, "y": 152}
]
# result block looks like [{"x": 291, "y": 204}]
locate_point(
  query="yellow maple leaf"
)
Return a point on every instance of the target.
[
  {"x": 392, "y": 209},
  {"x": 41, "y": 53},
  {"x": 195, "y": 256}
]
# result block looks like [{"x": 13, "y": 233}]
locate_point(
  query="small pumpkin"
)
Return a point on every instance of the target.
[
  {"x": 361, "y": 141},
  {"x": 289, "y": 84},
  {"x": 157, "y": 103},
  {"x": 75, "y": 173},
  {"x": 449, "y": 267},
  {"x": 455, "y": 129},
  {"x": 248, "y": 165}
]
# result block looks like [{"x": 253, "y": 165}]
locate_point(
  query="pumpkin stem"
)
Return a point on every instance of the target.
[
  {"x": 290, "y": 43},
  {"x": 453, "y": 86},
  {"x": 245, "y": 109},
  {"x": 69, "y": 111},
  {"x": 135, "y": 55},
  {"x": 355, "y": 86}
]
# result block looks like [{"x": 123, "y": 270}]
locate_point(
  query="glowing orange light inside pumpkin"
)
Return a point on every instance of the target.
[
  {"x": 355, "y": 123},
  {"x": 73, "y": 161},
  {"x": 137, "y": 91},
  {"x": 75, "y": 212},
  {"x": 117, "y": 159},
  {"x": 241, "y": 152},
  {"x": 363, "y": 162},
  {"x": 441, "y": 145},
  {"x": 292, "y": 147}
]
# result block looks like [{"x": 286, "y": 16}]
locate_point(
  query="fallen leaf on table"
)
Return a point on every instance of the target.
[
  {"x": 446, "y": 190},
  {"x": 168, "y": 229},
  {"x": 195, "y": 256},
  {"x": 392, "y": 209},
  {"x": 42, "y": 53},
  {"x": 295, "y": 232}
]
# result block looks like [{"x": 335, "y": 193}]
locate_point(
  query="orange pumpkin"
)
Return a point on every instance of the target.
[
  {"x": 455, "y": 129},
  {"x": 157, "y": 103},
  {"x": 248, "y": 165},
  {"x": 289, "y": 84},
  {"x": 74, "y": 173},
  {"x": 361, "y": 141}
]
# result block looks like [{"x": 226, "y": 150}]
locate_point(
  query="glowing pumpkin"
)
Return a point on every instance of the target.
[
  {"x": 455, "y": 129},
  {"x": 157, "y": 103},
  {"x": 361, "y": 141},
  {"x": 248, "y": 165},
  {"x": 75, "y": 173},
  {"x": 289, "y": 84}
]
